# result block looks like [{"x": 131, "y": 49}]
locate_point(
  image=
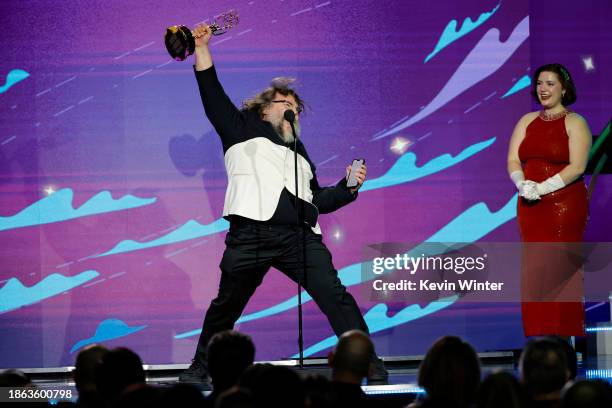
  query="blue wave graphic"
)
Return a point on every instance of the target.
[
  {"x": 108, "y": 329},
  {"x": 273, "y": 310},
  {"x": 522, "y": 83},
  {"x": 484, "y": 60},
  {"x": 475, "y": 222},
  {"x": 190, "y": 230},
  {"x": 450, "y": 33},
  {"x": 469, "y": 226},
  {"x": 377, "y": 320},
  {"x": 13, "y": 77},
  {"x": 405, "y": 168},
  {"x": 14, "y": 294},
  {"x": 58, "y": 207}
]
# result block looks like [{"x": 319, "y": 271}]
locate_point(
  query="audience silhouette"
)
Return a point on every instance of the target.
[{"x": 450, "y": 375}]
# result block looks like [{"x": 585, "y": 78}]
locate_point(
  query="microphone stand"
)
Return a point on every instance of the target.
[{"x": 290, "y": 115}]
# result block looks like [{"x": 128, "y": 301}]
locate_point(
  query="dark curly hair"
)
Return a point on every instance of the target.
[
  {"x": 564, "y": 77},
  {"x": 282, "y": 85}
]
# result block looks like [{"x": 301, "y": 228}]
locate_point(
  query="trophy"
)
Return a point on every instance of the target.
[{"x": 179, "y": 39}]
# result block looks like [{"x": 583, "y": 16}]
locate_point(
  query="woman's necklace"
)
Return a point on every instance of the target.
[{"x": 553, "y": 116}]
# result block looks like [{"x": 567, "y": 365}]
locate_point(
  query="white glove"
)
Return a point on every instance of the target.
[
  {"x": 549, "y": 185},
  {"x": 526, "y": 188},
  {"x": 529, "y": 190},
  {"x": 517, "y": 177}
]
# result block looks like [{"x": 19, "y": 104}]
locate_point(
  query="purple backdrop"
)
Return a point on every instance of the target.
[{"x": 112, "y": 179}]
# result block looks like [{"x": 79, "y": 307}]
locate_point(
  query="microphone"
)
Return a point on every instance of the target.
[{"x": 289, "y": 116}]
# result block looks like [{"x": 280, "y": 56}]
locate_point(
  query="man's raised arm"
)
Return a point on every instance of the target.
[
  {"x": 203, "y": 59},
  {"x": 220, "y": 110}
]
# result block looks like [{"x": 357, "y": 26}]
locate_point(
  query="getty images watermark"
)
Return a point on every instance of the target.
[
  {"x": 556, "y": 272},
  {"x": 411, "y": 264}
]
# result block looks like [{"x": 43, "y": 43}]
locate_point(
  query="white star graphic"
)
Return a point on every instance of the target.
[
  {"x": 588, "y": 63},
  {"x": 399, "y": 145},
  {"x": 49, "y": 190}
]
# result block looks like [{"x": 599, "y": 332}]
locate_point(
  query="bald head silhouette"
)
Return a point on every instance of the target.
[{"x": 350, "y": 361}]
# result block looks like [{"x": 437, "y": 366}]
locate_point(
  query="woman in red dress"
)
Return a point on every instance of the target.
[{"x": 547, "y": 156}]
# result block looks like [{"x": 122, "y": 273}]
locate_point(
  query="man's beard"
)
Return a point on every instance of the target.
[{"x": 286, "y": 134}]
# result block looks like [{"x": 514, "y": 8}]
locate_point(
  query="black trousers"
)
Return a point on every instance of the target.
[{"x": 251, "y": 249}]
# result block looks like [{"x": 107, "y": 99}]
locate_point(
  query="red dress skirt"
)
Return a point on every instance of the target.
[{"x": 558, "y": 217}]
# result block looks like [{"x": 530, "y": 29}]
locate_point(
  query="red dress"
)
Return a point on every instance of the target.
[{"x": 560, "y": 216}]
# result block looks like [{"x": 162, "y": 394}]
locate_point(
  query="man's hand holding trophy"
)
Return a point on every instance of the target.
[{"x": 181, "y": 41}]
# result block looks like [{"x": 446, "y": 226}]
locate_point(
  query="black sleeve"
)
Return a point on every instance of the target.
[
  {"x": 329, "y": 199},
  {"x": 227, "y": 120}
]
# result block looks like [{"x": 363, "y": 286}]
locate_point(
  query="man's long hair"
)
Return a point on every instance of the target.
[{"x": 282, "y": 85}]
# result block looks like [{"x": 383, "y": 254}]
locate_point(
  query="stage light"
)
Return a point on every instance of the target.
[
  {"x": 597, "y": 329},
  {"x": 337, "y": 234},
  {"x": 588, "y": 63},
  {"x": 601, "y": 373},
  {"x": 399, "y": 145}
]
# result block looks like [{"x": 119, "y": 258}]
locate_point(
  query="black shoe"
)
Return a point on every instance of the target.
[
  {"x": 379, "y": 375},
  {"x": 195, "y": 374}
]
